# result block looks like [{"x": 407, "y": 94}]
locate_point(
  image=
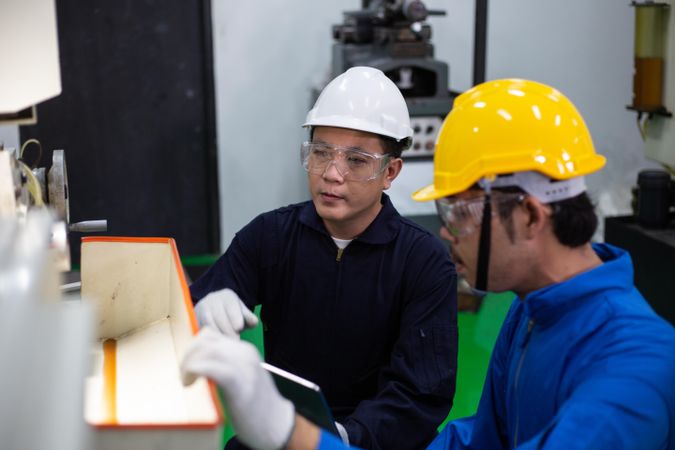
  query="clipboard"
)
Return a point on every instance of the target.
[{"x": 306, "y": 396}]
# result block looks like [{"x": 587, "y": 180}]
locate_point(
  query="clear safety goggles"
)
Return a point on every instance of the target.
[
  {"x": 352, "y": 164},
  {"x": 463, "y": 216}
]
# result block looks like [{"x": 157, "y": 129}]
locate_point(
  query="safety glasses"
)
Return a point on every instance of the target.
[
  {"x": 463, "y": 216},
  {"x": 352, "y": 164}
]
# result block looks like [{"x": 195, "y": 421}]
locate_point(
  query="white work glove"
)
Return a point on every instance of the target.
[
  {"x": 225, "y": 312},
  {"x": 261, "y": 417}
]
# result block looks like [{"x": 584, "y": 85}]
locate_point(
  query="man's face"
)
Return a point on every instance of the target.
[
  {"x": 506, "y": 252},
  {"x": 346, "y": 204}
]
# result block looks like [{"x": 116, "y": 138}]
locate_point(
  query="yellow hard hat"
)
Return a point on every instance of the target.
[{"x": 506, "y": 126}]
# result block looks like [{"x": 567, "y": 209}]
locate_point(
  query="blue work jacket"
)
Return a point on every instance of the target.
[
  {"x": 582, "y": 364},
  {"x": 374, "y": 326}
]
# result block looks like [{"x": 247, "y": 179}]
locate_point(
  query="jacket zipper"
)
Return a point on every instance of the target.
[
  {"x": 525, "y": 343},
  {"x": 339, "y": 254}
]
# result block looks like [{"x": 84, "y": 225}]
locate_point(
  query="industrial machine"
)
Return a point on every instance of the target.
[
  {"x": 649, "y": 234},
  {"x": 43, "y": 342},
  {"x": 393, "y": 36},
  {"x": 26, "y": 81},
  {"x": 24, "y": 186},
  {"x": 44, "y": 338}
]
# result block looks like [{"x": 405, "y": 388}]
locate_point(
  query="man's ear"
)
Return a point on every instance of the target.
[
  {"x": 392, "y": 171},
  {"x": 537, "y": 216}
]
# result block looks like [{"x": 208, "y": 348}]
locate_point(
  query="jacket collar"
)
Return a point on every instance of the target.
[
  {"x": 548, "y": 304},
  {"x": 382, "y": 230}
]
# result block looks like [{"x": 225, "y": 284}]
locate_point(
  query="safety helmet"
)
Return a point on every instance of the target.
[
  {"x": 364, "y": 99},
  {"x": 506, "y": 127}
]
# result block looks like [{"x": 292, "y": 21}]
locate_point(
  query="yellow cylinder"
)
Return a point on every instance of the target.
[{"x": 650, "y": 33}]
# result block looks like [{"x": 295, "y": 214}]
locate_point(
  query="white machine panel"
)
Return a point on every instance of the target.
[{"x": 425, "y": 132}]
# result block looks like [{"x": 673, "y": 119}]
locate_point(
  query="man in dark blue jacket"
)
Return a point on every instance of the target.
[
  {"x": 581, "y": 361},
  {"x": 354, "y": 297}
]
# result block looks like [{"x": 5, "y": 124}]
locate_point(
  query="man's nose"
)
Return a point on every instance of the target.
[
  {"x": 332, "y": 172},
  {"x": 445, "y": 234}
]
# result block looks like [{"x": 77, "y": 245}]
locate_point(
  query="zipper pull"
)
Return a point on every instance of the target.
[
  {"x": 530, "y": 325},
  {"x": 339, "y": 254}
]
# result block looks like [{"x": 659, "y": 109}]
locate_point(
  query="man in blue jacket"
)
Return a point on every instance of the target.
[
  {"x": 354, "y": 297},
  {"x": 581, "y": 361}
]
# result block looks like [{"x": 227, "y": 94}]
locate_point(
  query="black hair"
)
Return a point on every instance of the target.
[
  {"x": 392, "y": 147},
  {"x": 574, "y": 219}
]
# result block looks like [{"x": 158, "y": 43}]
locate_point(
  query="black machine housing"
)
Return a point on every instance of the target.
[{"x": 392, "y": 35}]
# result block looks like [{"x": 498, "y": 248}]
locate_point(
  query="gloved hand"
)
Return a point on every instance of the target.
[
  {"x": 262, "y": 418},
  {"x": 225, "y": 312}
]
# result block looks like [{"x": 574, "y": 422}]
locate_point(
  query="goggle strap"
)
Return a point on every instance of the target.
[{"x": 484, "y": 245}]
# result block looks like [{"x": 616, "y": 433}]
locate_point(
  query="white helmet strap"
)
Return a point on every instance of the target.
[{"x": 546, "y": 189}]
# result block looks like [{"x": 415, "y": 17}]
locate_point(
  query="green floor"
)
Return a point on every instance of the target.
[{"x": 477, "y": 335}]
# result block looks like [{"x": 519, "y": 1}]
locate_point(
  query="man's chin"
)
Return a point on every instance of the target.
[
  {"x": 327, "y": 211},
  {"x": 330, "y": 215}
]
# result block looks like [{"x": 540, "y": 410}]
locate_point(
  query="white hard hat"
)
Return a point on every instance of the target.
[{"x": 364, "y": 99}]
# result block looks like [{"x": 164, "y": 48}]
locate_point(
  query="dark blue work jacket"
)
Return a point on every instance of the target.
[{"x": 375, "y": 327}]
